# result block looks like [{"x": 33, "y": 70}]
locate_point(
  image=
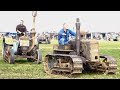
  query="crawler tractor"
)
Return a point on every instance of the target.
[{"x": 78, "y": 56}]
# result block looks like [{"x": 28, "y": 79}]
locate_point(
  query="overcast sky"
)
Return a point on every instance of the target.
[{"x": 99, "y": 21}]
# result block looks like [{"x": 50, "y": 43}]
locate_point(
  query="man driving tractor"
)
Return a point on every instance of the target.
[
  {"x": 63, "y": 35},
  {"x": 21, "y": 30}
]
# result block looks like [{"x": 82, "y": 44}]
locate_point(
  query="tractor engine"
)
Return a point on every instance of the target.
[
  {"x": 90, "y": 50},
  {"x": 24, "y": 44}
]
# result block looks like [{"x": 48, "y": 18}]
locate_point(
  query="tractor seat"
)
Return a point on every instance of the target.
[{"x": 62, "y": 47}]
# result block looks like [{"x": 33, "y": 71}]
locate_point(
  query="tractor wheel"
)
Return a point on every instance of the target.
[
  {"x": 8, "y": 54},
  {"x": 11, "y": 59},
  {"x": 4, "y": 58},
  {"x": 3, "y": 51},
  {"x": 37, "y": 54}
]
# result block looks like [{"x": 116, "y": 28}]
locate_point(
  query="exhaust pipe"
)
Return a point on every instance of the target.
[{"x": 78, "y": 36}]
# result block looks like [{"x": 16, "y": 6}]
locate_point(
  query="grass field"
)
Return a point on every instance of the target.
[{"x": 27, "y": 70}]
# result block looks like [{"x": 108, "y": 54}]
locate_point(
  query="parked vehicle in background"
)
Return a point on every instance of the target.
[{"x": 43, "y": 38}]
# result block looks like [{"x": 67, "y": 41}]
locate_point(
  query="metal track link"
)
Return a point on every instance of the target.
[
  {"x": 77, "y": 65},
  {"x": 111, "y": 64},
  {"x": 75, "y": 61}
]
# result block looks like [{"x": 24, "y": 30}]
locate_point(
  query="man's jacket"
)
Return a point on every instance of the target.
[
  {"x": 66, "y": 36},
  {"x": 21, "y": 28}
]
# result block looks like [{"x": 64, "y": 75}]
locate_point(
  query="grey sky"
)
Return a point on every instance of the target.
[{"x": 52, "y": 20}]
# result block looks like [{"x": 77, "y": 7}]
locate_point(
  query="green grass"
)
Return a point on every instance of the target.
[{"x": 27, "y": 70}]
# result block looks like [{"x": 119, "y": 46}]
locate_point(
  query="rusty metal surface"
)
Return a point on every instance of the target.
[
  {"x": 90, "y": 49},
  {"x": 63, "y": 50},
  {"x": 79, "y": 56},
  {"x": 23, "y": 56},
  {"x": 110, "y": 63},
  {"x": 76, "y": 64},
  {"x": 78, "y": 36},
  {"x": 67, "y": 55}
]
